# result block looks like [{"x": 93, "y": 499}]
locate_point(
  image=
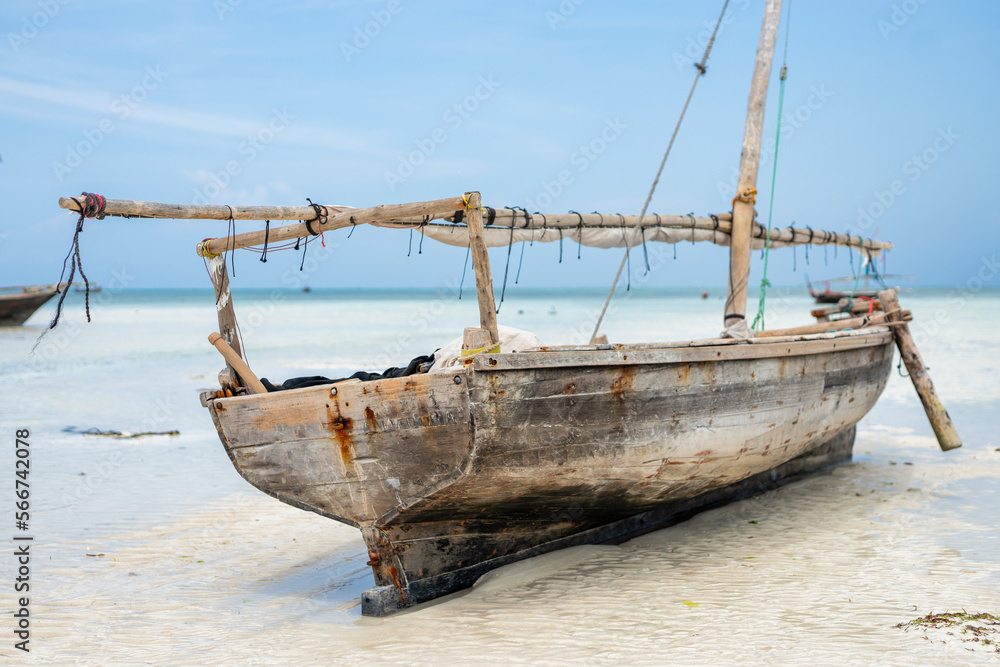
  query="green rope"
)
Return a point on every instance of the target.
[
  {"x": 861, "y": 264},
  {"x": 764, "y": 282}
]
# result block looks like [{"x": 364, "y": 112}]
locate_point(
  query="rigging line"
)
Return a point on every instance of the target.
[
  {"x": 764, "y": 282},
  {"x": 510, "y": 244},
  {"x": 464, "y": 267},
  {"x": 701, "y": 72}
]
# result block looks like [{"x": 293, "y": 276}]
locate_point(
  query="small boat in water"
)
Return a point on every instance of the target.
[
  {"x": 17, "y": 304},
  {"x": 506, "y": 450}
]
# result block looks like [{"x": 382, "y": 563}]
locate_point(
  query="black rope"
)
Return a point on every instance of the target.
[
  {"x": 92, "y": 206},
  {"x": 810, "y": 241},
  {"x": 580, "y": 231},
  {"x": 409, "y": 246},
  {"x": 305, "y": 246},
  {"x": 560, "y": 243},
  {"x": 520, "y": 262},
  {"x": 267, "y": 233},
  {"x": 354, "y": 226},
  {"x": 420, "y": 243},
  {"x": 231, "y": 237},
  {"x": 715, "y": 229},
  {"x": 321, "y": 216},
  {"x": 510, "y": 244}
]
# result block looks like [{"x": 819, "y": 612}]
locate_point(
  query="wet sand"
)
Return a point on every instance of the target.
[{"x": 817, "y": 572}]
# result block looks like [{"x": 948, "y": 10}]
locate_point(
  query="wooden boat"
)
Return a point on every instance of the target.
[
  {"x": 860, "y": 288},
  {"x": 450, "y": 474},
  {"x": 17, "y": 304}
]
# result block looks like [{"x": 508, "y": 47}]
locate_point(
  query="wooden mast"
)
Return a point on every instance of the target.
[
  {"x": 481, "y": 264},
  {"x": 743, "y": 204}
]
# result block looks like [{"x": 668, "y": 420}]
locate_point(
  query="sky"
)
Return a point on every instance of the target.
[{"x": 888, "y": 130}]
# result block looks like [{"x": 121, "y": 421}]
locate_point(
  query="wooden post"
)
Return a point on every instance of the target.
[
  {"x": 481, "y": 264},
  {"x": 227, "y": 316},
  {"x": 739, "y": 249},
  {"x": 947, "y": 436}
]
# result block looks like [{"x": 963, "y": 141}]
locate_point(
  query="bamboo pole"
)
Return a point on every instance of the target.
[
  {"x": 838, "y": 325},
  {"x": 237, "y": 363},
  {"x": 944, "y": 429},
  {"x": 145, "y": 209},
  {"x": 428, "y": 210},
  {"x": 341, "y": 216},
  {"x": 743, "y": 213},
  {"x": 481, "y": 264}
]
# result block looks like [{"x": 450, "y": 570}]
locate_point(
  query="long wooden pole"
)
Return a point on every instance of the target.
[
  {"x": 838, "y": 325},
  {"x": 746, "y": 190},
  {"x": 237, "y": 363},
  {"x": 944, "y": 429},
  {"x": 339, "y": 217},
  {"x": 481, "y": 264}
]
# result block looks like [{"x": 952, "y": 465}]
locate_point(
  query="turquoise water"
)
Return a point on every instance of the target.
[{"x": 886, "y": 535}]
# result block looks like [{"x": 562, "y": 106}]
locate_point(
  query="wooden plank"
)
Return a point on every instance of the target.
[
  {"x": 626, "y": 356},
  {"x": 824, "y": 327},
  {"x": 481, "y": 264},
  {"x": 940, "y": 420},
  {"x": 743, "y": 205}
]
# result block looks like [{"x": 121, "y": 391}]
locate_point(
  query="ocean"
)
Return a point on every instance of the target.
[{"x": 154, "y": 550}]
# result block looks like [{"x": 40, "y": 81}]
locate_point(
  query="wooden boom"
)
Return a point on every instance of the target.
[{"x": 416, "y": 214}]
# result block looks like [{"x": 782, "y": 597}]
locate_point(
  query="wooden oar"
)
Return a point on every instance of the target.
[
  {"x": 237, "y": 364},
  {"x": 945, "y": 431}
]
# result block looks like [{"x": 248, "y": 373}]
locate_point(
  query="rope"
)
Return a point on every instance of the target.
[
  {"x": 701, "y": 72},
  {"x": 267, "y": 233},
  {"x": 92, "y": 206},
  {"x": 764, "y": 282}
]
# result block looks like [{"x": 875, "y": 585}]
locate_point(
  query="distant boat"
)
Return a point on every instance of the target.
[
  {"x": 17, "y": 306},
  {"x": 834, "y": 296},
  {"x": 94, "y": 289}
]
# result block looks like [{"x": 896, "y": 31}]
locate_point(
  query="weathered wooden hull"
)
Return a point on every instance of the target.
[
  {"x": 16, "y": 308},
  {"x": 452, "y": 474}
]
